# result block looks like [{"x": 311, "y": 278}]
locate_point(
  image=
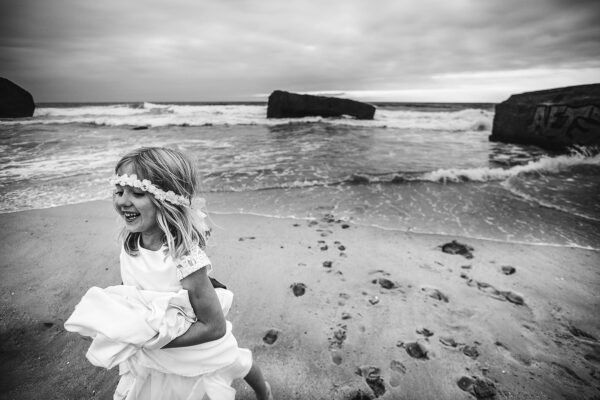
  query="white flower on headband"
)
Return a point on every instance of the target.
[{"x": 147, "y": 186}]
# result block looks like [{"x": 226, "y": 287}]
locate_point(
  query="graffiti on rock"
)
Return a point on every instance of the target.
[{"x": 562, "y": 120}]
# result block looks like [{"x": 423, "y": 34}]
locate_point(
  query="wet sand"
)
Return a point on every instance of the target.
[{"x": 330, "y": 310}]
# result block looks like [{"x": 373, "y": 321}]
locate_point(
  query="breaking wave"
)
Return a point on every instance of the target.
[
  {"x": 543, "y": 165},
  {"x": 250, "y": 180},
  {"x": 157, "y": 115}
]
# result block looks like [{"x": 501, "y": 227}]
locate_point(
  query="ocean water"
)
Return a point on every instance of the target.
[{"x": 426, "y": 168}]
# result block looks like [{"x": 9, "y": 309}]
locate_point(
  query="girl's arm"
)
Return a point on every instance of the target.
[{"x": 211, "y": 321}]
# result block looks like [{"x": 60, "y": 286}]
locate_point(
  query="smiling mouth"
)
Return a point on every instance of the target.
[{"x": 130, "y": 216}]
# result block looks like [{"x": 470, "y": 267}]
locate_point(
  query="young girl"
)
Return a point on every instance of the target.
[{"x": 165, "y": 326}]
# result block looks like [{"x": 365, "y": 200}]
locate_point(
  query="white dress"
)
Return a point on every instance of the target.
[{"x": 130, "y": 323}]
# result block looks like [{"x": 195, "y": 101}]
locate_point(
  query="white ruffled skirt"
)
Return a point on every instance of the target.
[{"x": 130, "y": 326}]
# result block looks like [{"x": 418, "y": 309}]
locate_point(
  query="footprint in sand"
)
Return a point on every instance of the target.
[
  {"x": 416, "y": 350},
  {"x": 435, "y": 293},
  {"x": 483, "y": 286},
  {"x": 339, "y": 335},
  {"x": 397, "y": 366},
  {"x": 271, "y": 336},
  {"x": 458, "y": 248},
  {"x": 513, "y": 298},
  {"x": 335, "y": 344},
  {"x": 377, "y": 385},
  {"x": 471, "y": 351},
  {"x": 425, "y": 332},
  {"x": 298, "y": 288},
  {"x": 497, "y": 294},
  {"x": 386, "y": 283},
  {"x": 359, "y": 395},
  {"x": 481, "y": 388},
  {"x": 508, "y": 270},
  {"x": 336, "y": 356},
  {"x": 398, "y": 369},
  {"x": 373, "y": 378},
  {"x": 448, "y": 341}
]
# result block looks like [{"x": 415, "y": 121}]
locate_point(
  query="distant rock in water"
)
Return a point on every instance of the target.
[
  {"x": 292, "y": 105},
  {"x": 552, "y": 119},
  {"x": 15, "y": 102}
]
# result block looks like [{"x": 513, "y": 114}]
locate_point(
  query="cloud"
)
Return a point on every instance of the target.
[{"x": 232, "y": 50}]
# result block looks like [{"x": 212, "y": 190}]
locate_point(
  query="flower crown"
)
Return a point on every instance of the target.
[{"x": 147, "y": 186}]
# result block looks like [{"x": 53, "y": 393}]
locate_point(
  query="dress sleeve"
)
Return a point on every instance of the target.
[{"x": 192, "y": 262}]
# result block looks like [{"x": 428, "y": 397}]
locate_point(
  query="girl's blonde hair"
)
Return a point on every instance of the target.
[{"x": 169, "y": 170}]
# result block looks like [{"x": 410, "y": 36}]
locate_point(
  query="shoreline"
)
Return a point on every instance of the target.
[
  {"x": 352, "y": 310},
  {"x": 367, "y": 226},
  {"x": 414, "y": 232}
]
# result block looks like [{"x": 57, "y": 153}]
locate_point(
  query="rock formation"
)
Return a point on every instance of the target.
[
  {"x": 552, "y": 119},
  {"x": 15, "y": 102},
  {"x": 292, "y": 105}
]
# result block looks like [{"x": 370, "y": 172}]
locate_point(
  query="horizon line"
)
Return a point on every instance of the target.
[{"x": 248, "y": 102}]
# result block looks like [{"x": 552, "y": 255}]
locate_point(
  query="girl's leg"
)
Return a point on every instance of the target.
[{"x": 257, "y": 382}]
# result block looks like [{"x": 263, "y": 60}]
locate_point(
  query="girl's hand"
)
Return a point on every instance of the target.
[{"x": 211, "y": 321}]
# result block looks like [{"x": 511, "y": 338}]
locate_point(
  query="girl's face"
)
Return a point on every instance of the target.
[{"x": 135, "y": 207}]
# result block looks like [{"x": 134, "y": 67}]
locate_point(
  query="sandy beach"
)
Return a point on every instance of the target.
[{"x": 330, "y": 310}]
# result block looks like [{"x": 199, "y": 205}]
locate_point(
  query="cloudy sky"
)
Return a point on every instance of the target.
[{"x": 240, "y": 50}]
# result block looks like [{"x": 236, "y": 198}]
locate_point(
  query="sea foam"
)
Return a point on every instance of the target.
[
  {"x": 157, "y": 115},
  {"x": 483, "y": 174}
]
